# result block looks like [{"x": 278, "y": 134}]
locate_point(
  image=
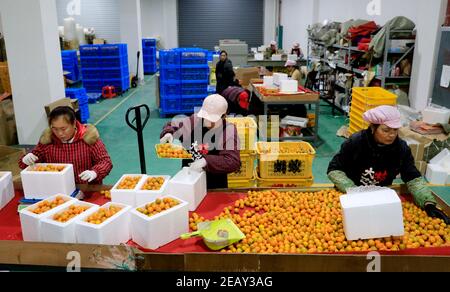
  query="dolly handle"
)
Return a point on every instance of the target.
[{"x": 190, "y": 235}]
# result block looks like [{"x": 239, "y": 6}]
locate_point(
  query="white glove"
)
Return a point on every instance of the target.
[
  {"x": 88, "y": 175},
  {"x": 168, "y": 138},
  {"x": 30, "y": 159},
  {"x": 198, "y": 165}
]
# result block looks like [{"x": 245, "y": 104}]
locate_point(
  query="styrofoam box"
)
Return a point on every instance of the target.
[
  {"x": 259, "y": 57},
  {"x": 143, "y": 197},
  {"x": 126, "y": 197},
  {"x": 289, "y": 86},
  {"x": 41, "y": 185},
  {"x": 53, "y": 231},
  {"x": 294, "y": 121},
  {"x": 190, "y": 186},
  {"x": 276, "y": 57},
  {"x": 292, "y": 57},
  {"x": 278, "y": 77},
  {"x": 433, "y": 116},
  {"x": 372, "y": 215},
  {"x": 160, "y": 229},
  {"x": 31, "y": 223},
  {"x": 6, "y": 189},
  {"x": 268, "y": 81},
  {"x": 114, "y": 231},
  {"x": 438, "y": 170}
]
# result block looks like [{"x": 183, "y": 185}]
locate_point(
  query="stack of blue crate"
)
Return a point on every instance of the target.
[
  {"x": 70, "y": 64},
  {"x": 184, "y": 80},
  {"x": 149, "y": 56},
  {"x": 105, "y": 65},
  {"x": 81, "y": 95}
]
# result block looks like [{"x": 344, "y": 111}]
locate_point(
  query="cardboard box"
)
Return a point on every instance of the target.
[
  {"x": 8, "y": 128},
  {"x": 372, "y": 215},
  {"x": 244, "y": 75},
  {"x": 9, "y": 159},
  {"x": 418, "y": 143},
  {"x": 4, "y": 77},
  {"x": 73, "y": 103},
  {"x": 99, "y": 42}
]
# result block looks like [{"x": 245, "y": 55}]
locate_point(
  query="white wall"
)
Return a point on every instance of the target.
[
  {"x": 159, "y": 18},
  {"x": 269, "y": 21}
]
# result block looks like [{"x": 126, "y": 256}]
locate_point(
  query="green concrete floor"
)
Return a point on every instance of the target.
[{"x": 121, "y": 141}]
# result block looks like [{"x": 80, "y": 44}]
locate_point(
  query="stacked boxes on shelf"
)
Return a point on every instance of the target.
[
  {"x": 149, "y": 56},
  {"x": 70, "y": 64},
  {"x": 364, "y": 99},
  {"x": 83, "y": 102},
  {"x": 184, "y": 80},
  {"x": 105, "y": 65}
]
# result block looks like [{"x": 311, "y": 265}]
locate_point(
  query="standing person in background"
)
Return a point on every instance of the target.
[{"x": 224, "y": 73}]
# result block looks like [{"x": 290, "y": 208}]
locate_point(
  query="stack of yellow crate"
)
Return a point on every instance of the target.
[
  {"x": 247, "y": 131},
  {"x": 364, "y": 99}
]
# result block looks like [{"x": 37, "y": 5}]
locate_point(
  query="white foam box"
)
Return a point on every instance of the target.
[
  {"x": 190, "y": 186},
  {"x": 113, "y": 231},
  {"x": 126, "y": 197},
  {"x": 57, "y": 232},
  {"x": 259, "y": 56},
  {"x": 31, "y": 222},
  {"x": 277, "y": 57},
  {"x": 268, "y": 81},
  {"x": 6, "y": 188},
  {"x": 289, "y": 86},
  {"x": 160, "y": 229},
  {"x": 294, "y": 121},
  {"x": 41, "y": 185},
  {"x": 438, "y": 170},
  {"x": 372, "y": 215},
  {"x": 292, "y": 57},
  {"x": 144, "y": 196},
  {"x": 433, "y": 115},
  {"x": 278, "y": 77}
]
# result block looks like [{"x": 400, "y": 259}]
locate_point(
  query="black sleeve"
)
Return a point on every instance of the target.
[
  {"x": 228, "y": 73},
  {"x": 408, "y": 169},
  {"x": 343, "y": 158}
]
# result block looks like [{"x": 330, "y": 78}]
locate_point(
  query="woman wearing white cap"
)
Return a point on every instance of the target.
[
  {"x": 215, "y": 142},
  {"x": 296, "y": 50},
  {"x": 293, "y": 71},
  {"x": 377, "y": 156}
]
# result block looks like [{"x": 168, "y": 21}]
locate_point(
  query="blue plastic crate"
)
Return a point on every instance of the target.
[
  {"x": 69, "y": 54},
  {"x": 77, "y": 93},
  {"x": 200, "y": 72},
  {"x": 170, "y": 88},
  {"x": 170, "y": 105},
  {"x": 170, "y": 74},
  {"x": 148, "y": 43},
  {"x": 114, "y": 62},
  {"x": 91, "y": 62},
  {"x": 193, "y": 56},
  {"x": 169, "y": 57},
  {"x": 194, "y": 88},
  {"x": 211, "y": 89},
  {"x": 94, "y": 97},
  {"x": 189, "y": 104},
  {"x": 115, "y": 50},
  {"x": 149, "y": 51},
  {"x": 114, "y": 73},
  {"x": 84, "y": 112},
  {"x": 90, "y": 73},
  {"x": 90, "y": 51},
  {"x": 93, "y": 85},
  {"x": 150, "y": 69}
]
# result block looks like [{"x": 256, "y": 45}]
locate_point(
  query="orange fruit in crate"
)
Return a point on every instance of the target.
[
  {"x": 171, "y": 151},
  {"x": 45, "y": 206},
  {"x": 49, "y": 168},
  {"x": 103, "y": 214},
  {"x": 153, "y": 184},
  {"x": 158, "y": 206},
  {"x": 70, "y": 213},
  {"x": 129, "y": 183},
  {"x": 107, "y": 194}
]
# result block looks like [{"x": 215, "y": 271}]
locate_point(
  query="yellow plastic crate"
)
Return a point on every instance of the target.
[
  {"x": 352, "y": 129},
  {"x": 285, "y": 160},
  {"x": 247, "y": 130},
  {"x": 357, "y": 119},
  {"x": 284, "y": 183},
  {"x": 374, "y": 96},
  {"x": 247, "y": 167},
  {"x": 241, "y": 183}
]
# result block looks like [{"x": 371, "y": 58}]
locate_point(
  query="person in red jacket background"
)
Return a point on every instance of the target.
[{"x": 67, "y": 141}]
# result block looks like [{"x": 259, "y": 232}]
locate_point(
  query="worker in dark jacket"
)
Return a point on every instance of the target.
[
  {"x": 215, "y": 142},
  {"x": 377, "y": 155},
  {"x": 238, "y": 100},
  {"x": 224, "y": 73}
]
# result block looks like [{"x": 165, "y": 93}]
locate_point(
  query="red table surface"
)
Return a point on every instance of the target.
[{"x": 212, "y": 205}]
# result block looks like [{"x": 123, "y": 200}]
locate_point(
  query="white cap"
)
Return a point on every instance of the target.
[
  {"x": 290, "y": 63},
  {"x": 273, "y": 43},
  {"x": 296, "y": 45},
  {"x": 214, "y": 107}
]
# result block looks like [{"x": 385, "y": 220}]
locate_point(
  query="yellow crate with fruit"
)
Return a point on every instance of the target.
[
  {"x": 246, "y": 171},
  {"x": 247, "y": 130},
  {"x": 285, "y": 160},
  {"x": 284, "y": 182}
]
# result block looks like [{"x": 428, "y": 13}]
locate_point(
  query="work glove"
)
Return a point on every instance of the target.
[
  {"x": 421, "y": 192},
  {"x": 434, "y": 212},
  {"x": 88, "y": 176},
  {"x": 168, "y": 138},
  {"x": 341, "y": 181},
  {"x": 198, "y": 165},
  {"x": 30, "y": 159}
]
